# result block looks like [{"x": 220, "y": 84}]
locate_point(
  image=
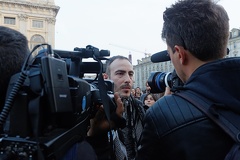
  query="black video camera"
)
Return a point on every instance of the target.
[
  {"x": 158, "y": 81},
  {"x": 49, "y": 103}
]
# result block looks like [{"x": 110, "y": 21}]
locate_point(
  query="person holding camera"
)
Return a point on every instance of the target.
[
  {"x": 196, "y": 33},
  {"x": 126, "y": 139},
  {"x": 13, "y": 52}
]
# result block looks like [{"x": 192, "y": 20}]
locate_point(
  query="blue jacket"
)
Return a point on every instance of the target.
[{"x": 175, "y": 129}]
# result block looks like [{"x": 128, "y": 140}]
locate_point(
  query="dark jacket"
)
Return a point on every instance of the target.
[
  {"x": 131, "y": 134},
  {"x": 175, "y": 129}
]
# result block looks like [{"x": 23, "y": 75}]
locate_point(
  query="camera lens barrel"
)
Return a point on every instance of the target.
[{"x": 158, "y": 81}]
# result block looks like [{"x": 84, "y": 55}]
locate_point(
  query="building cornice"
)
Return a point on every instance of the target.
[{"x": 21, "y": 4}]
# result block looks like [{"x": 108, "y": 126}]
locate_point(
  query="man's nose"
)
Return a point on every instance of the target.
[{"x": 128, "y": 79}]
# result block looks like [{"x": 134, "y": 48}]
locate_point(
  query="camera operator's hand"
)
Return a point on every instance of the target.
[
  {"x": 120, "y": 107},
  {"x": 99, "y": 124},
  {"x": 167, "y": 91}
]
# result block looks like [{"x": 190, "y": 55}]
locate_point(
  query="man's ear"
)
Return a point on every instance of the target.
[
  {"x": 105, "y": 76},
  {"x": 182, "y": 55}
]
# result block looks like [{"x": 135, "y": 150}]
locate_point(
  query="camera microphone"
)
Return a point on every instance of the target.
[{"x": 160, "y": 57}]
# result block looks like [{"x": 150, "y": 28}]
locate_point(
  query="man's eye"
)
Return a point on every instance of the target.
[{"x": 120, "y": 73}]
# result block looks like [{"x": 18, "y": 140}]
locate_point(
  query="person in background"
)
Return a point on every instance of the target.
[
  {"x": 133, "y": 92},
  {"x": 138, "y": 93},
  {"x": 147, "y": 90},
  {"x": 149, "y": 100},
  {"x": 13, "y": 52},
  {"x": 196, "y": 33}
]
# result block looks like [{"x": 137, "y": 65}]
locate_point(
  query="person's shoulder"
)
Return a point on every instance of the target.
[
  {"x": 170, "y": 108},
  {"x": 163, "y": 105},
  {"x": 167, "y": 101}
]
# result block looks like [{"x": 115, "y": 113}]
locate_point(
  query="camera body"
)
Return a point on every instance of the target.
[
  {"x": 158, "y": 81},
  {"x": 52, "y": 108}
]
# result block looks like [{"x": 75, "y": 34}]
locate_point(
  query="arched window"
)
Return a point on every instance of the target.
[{"x": 35, "y": 40}]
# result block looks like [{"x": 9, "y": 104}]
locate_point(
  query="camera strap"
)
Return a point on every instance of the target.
[
  {"x": 224, "y": 117},
  {"x": 104, "y": 96},
  {"x": 105, "y": 101}
]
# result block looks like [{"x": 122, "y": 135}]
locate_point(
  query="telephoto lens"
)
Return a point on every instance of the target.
[{"x": 158, "y": 81}]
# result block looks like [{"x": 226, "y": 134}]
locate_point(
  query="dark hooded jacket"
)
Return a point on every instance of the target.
[{"x": 175, "y": 129}]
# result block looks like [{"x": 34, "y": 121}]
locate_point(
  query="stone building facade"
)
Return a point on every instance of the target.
[
  {"x": 234, "y": 43},
  {"x": 33, "y": 18}
]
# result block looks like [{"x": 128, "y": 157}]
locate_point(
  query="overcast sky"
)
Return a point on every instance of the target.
[{"x": 122, "y": 26}]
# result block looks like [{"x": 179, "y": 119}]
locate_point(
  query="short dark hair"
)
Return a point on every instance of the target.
[
  {"x": 200, "y": 26},
  {"x": 110, "y": 60},
  {"x": 13, "y": 51}
]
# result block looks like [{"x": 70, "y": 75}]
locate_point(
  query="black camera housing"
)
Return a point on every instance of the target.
[{"x": 51, "y": 110}]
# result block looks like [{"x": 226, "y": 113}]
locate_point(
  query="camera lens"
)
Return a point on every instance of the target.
[{"x": 158, "y": 81}]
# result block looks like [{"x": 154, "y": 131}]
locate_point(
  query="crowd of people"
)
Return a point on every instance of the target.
[
  {"x": 146, "y": 97},
  {"x": 162, "y": 126}
]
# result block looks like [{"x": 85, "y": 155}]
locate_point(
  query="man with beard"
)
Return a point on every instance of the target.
[{"x": 120, "y": 70}]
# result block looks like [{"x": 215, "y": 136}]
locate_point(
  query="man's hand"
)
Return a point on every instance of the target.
[
  {"x": 167, "y": 91},
  {"x": 99, "y": 124},
  {"x": 119, "y": 103}
]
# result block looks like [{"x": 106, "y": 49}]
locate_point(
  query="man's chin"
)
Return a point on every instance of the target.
[{"x": 125, "y": 94}]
